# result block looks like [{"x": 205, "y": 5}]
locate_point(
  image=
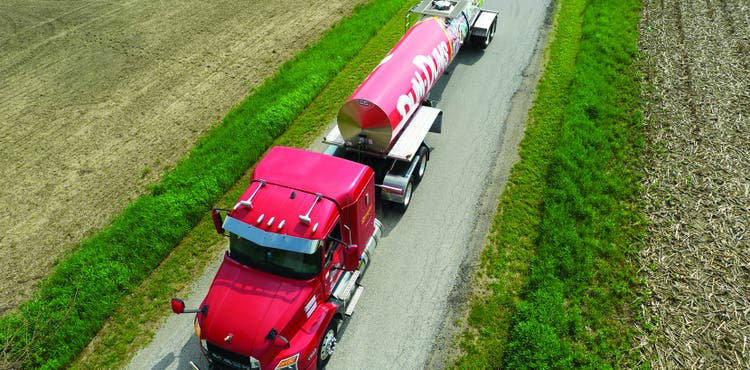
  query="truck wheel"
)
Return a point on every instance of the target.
[
  {"x": 327, "y": 344},
  {"x": 407, "y": 197},
  {"x": 421, "y": 166}
]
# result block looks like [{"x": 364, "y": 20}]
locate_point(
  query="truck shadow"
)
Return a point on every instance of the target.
[
  {"x": 164, "y": 362},
  {"x": 389, "y": 214},
  {"x": 190, "y": 352}
]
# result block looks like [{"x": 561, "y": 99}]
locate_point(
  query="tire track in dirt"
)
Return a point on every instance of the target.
[
  {"x": 734, "y": 30},
  {"x": 686, "y": 68}
]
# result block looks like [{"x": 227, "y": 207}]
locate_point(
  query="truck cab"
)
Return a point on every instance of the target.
[{"x": 300, "y": 238}]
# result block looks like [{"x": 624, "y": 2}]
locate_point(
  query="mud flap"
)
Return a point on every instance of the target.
[{"x": 437, "y": 125}]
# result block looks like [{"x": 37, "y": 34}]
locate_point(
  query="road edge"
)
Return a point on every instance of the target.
[{"x": 444, "y": 350}]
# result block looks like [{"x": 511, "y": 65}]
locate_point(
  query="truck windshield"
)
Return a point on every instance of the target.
[{"x": 290, "y": 264}]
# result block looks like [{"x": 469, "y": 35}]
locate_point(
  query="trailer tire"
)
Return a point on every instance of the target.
[
  {"x": 485, "y": 42},
  {"x": 422, "y": 165},
  {"x": 407, "y": 196},
  {"x": 327, "y": 343}
]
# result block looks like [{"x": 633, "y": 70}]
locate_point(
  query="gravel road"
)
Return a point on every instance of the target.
[{"x": 403, "y": 320}]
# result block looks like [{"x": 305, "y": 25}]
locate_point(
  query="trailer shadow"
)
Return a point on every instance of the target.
[{"x": 468, "y": 55}]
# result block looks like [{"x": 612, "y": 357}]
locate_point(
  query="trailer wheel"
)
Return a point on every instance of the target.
[
  {"x": 489, "y": 36},
  {"x": 407, "y": 196},
  {"x": 421, "y": 166},
  {"x": 327, "y": 344}
]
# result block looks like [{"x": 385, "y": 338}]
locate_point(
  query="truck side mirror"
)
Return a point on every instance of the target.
[
  {"x": 218, "y": 222},
  {"x": 351, "y": 257},
  {"x": 178, "y": 306}
]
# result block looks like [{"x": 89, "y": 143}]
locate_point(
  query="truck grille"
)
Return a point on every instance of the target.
[{"x": 222, "y": 358}]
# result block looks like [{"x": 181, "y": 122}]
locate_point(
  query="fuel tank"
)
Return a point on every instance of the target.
[{"x": 377, "y": 111}]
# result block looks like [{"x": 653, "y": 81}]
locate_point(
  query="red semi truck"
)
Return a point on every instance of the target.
[{"x": 302, "y": 234}]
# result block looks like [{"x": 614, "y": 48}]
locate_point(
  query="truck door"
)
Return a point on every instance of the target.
[{"x": 333, "y": 259}]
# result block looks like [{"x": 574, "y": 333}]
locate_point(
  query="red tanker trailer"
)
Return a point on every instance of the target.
[
  {"x": 392, "y": 93},
  {"x": 303, "y": 233},
  {"x": 385, "y": 121}
]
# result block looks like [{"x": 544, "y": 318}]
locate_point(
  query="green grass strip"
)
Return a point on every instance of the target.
[
  {"x": 557, "y": 266},
  {"x": 582, "y": 278},
  {"x": 72, "y": 304},
  {"x": 504, "y": 267}
]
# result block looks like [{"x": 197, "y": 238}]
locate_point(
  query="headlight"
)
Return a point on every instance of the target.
[{"x": 289, "y": 363}]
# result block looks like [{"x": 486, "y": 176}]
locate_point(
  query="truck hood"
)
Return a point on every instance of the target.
[{"x": 244, "y": 304}]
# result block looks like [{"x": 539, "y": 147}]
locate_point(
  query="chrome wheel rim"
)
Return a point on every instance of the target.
[
  {"x": 407, "y": 195},
  {"x": 327, "y": 345}
]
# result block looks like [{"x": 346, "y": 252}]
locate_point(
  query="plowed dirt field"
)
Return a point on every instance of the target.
[
  {"x": 696, "y": 259},
  {"x": 98, "y": 98}
]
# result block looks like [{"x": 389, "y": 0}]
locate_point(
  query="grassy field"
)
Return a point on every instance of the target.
[
  {"x": 87, "y": 287},
  {"x": 557, "y": 280}
]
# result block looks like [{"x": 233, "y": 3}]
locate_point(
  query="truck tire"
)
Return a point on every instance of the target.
[
  {"x": 327, "y": 343},
  {"x": 407, "y": 196},
  {"x": 421, "y": 166}
]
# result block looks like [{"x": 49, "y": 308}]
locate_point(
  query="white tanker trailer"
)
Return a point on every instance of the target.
[{"x": 385, "y": 121}]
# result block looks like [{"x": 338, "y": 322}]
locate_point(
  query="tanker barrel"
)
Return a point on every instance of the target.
[{"x": 386, "y": 99}]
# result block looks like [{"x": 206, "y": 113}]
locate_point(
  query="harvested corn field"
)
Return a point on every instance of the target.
[{"x": 696, "y": 256}]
